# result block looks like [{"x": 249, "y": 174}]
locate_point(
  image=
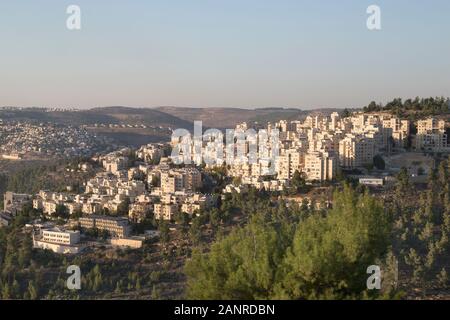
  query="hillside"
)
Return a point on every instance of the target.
[
  {"x": 107, "y": 115},
  {"x": 166, "y": 117},
  {"x": 229, "y": 117},
  {"x": 151, "y": 117}
]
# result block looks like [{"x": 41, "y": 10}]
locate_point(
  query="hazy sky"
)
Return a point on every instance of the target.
[{"x": 222, "y": 53}]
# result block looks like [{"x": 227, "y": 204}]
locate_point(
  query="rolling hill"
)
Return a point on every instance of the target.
[
  {"x": 229, "y": 117},
  {"x": 164, "y": 117}
]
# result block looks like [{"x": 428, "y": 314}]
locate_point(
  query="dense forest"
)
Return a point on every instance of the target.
[
  {"x": 28, "y": 180},
  {"x": 296, "y": 253},
  {"x": 53, "y": 176},
  {"x": 300, "y": 253}
]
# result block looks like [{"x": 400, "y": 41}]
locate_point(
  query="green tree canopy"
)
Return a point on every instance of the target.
[{"x": 325, "y": 256}]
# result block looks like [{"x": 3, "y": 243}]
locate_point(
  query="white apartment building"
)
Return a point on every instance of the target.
[
  {"x": 49, "y": 206},
  {"x": 430, "y": 125},
  {"x": 117, "y": 226},
  {"x": 171, "y": 182},
  {"x": 431, "y": 136},
  {"x": 356, "y": 151},
  {"x": 197, "y": 201},
  {"x": 151, "y": 152},
  {"x": 115, "y": 164},
  {"x": 186, "y": 179},
  {"x": 400, "y": 129},
  {"x": 286, "y": 164},
  {"x": 138, "y": 211},
  {"x": 165, "y": 211},
  {"x": 320, "y": 166}
]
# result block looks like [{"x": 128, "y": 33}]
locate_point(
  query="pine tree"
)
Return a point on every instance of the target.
[
  {"x": 6, "y": 293},
  {"x": 442, "y": 278},
  {"x": 32, "y": 290},
  {"x": 138, "y": 283},
  {"x": 97, "y": 278},
  {"x": 118, "y": 287},
  {"x": 15, "y": 289},
  {"x": 155, "y": 293}
]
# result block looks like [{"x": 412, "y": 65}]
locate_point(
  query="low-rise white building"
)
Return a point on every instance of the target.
[{"x": 58, "y": 240}]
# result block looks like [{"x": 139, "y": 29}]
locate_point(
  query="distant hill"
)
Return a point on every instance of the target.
[
  {"x": 166, "y": 117},
  {"x": 107, "y": 115},
  {"x": 151, "y": 117},
  {"x": 229, "y": 117}
]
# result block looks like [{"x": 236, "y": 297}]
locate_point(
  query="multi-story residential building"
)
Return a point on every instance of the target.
[
  {"x": 131, "y": 188},
  {"x": 115, "y": 164},
  {"x": 171, "y": 182},
  {"x": 73, "y": 207},
  {"x": 13, "y": 202},
  {"x": 286, "y": 164},
  {"x": 431, "y": 136},
  {"x": 334, "y": 121},
  {"x": 116, "y": 226},
  {"x": 197, "y": 202},
  {"x": 49, "y": 206},
  {"x": 48, "y": 202},
  {"x": 151, "y": 153},
  {"x": 192, "y": 179},
  {"x": 430, "y": 125},
  {"x": 165, "y": 211},
  {"x": 92, "y": 207},
  {"x": 356, "y": 151},
  {"x": 320, "y": 166},
  {"x": 400, "y": 130},
  {"x": 138, "y": 211},
  {"x": 191, "y": 208},
  {"x": 186, "y": 179}
]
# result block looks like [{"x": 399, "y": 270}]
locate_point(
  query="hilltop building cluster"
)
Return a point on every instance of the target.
[
  {"x": 27, "y": 140},
  {"x": 317, "y": 147}
]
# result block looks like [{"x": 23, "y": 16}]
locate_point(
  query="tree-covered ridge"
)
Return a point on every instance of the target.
[{"x": 413, "y": 108}]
